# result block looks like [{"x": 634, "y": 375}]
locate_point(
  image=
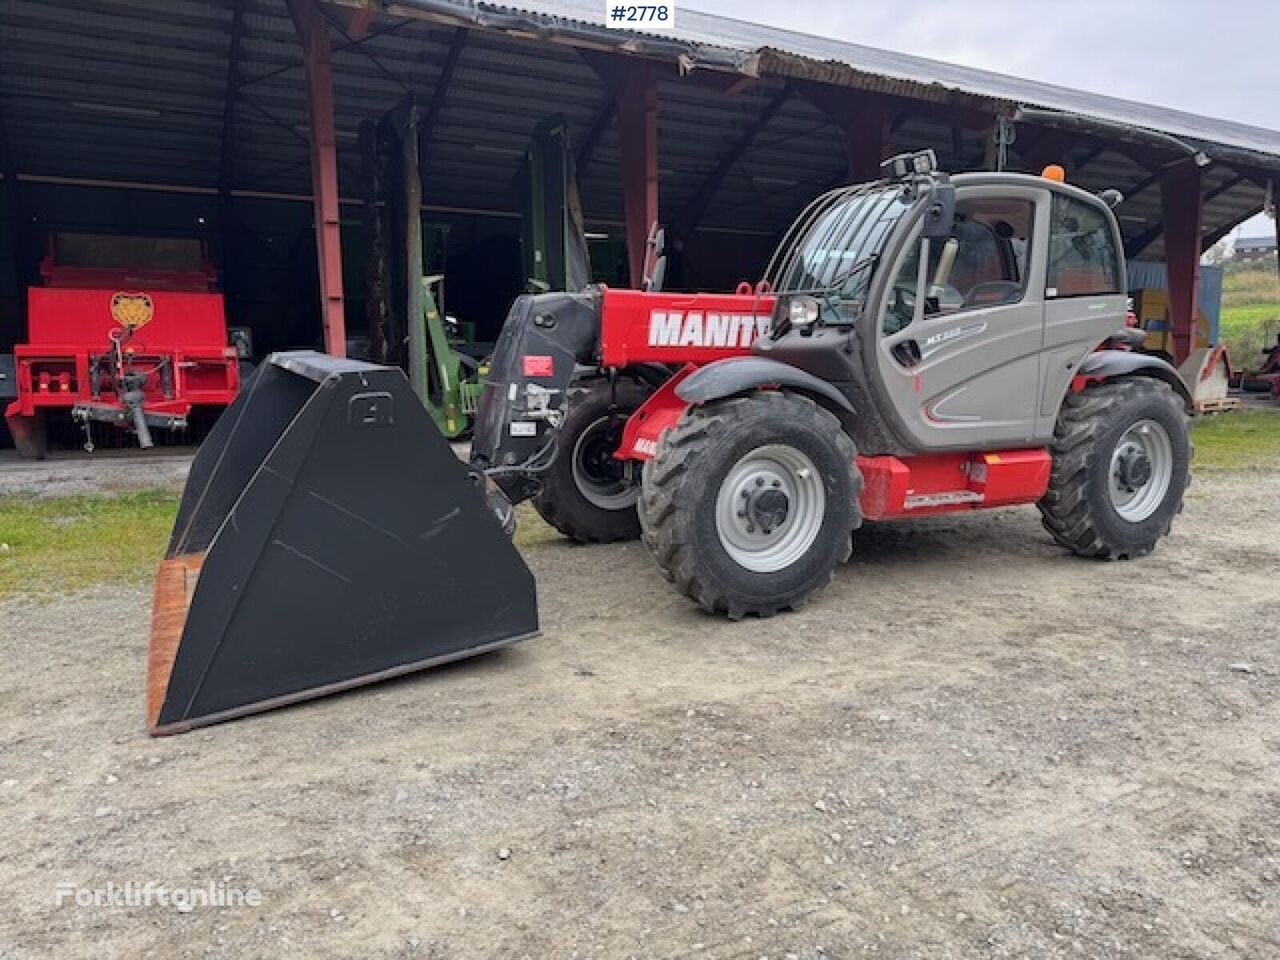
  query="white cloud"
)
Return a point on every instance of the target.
[{"x": 1218, "y": 59}]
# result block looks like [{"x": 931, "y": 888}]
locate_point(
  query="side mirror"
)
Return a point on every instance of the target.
[
  {"x": 1111, "y": 197},
  {"x": 654, "y": 283},
  {"x": 940, "y": 214},
  {"x": 653, "y": 246}
]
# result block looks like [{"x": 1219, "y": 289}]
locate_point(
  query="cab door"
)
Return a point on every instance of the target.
[
  {"x": 962, "y": 324},
  {"x": 1085, "y": 298}
]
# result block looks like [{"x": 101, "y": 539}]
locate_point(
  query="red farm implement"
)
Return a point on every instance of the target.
[{"x": 126, "y": 331}]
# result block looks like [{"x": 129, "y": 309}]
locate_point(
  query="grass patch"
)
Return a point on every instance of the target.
[
  {"x": 1254, "y": 283},
  {"x": 531, "y": 529},
  {"x": 1250, "y": 314},
  {"x": 1237, "y": 441},
  {"x": 53, "y": 545},
  {"x": 64, "y": 543},
  {"x": 57, "y": 544}
]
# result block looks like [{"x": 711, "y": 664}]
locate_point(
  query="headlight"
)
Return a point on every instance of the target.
[{"x": 803, "y": 312}]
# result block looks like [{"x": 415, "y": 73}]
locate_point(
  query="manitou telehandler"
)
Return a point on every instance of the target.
[{"x": 919, "y": 345}]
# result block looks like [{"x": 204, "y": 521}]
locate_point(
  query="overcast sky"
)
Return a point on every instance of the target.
[{"x": 1220, "y": 58}]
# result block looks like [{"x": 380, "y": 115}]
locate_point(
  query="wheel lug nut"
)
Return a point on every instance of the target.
[
  {"x": 759, "y": 481},
  {"x": 751, "y": 528},
  {"x": 777, "y": 483}
]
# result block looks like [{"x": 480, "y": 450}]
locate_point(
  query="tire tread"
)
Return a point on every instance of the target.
[
  {"x": 1065, "y": 509},
  {"x": 667, "y": 483}
]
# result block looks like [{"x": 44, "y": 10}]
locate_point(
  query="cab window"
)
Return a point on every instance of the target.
[
  {"x": 982, "y": 264},
  {"x": 1083, "y": 259}
]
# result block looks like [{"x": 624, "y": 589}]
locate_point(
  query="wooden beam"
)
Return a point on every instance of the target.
[
  {"x": 226, "y": 162},
  {"x": 268, "y": 115},
  {"x": 226, "y": 169},
  {"x": 863, "y": 122},
  {"x": 9, "y": 168},
  {"x": 720, "y": 81},
  {"x": 1219, "y": 232},
  {"x": 355, "y": 21},
  {"x": 697, "y": 206},
  {"x": 341, "y": 24},
  {"x": 271, "y": 175},
  {"x": 1216, "y": 234},
  {"x": 1224, "y": 187},
  {"x": 1143, "y": 240},
  {"x": 337, "y": 48},
  {"x": 1151, "y": 154},
  {"x": 427, "y": 125},
  {"x": 1141, "y": 186},
  {"x": 827, "y": 98},
  {"x": 595, "y": 133},
  {"x": 1044, "y": 147},
  {"x": 1090, "y": 155}
]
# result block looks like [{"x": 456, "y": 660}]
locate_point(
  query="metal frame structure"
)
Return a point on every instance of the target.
[{"x": 699, "y": 126}]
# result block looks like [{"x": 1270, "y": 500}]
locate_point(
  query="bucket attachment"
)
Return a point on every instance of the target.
[{"x": 327, "y": 537}]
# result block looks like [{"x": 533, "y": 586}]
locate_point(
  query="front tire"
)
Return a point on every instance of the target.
[
  {"x": 1121, "y": 463},
  {"x": 586, "y": 494},
  {"x": 751, "y": 502}
]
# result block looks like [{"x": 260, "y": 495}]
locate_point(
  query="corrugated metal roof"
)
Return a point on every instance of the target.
[
  {"x": 131, "y": 90},
  {"x": 717, "y": 41}
]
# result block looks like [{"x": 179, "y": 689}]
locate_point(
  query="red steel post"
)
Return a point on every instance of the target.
[
  {"x": 313, "y": 32},
  {"x": 1182, "y": 203},
  {"x": 634, "y": 85},
  {"x": 638, "y": 141}
]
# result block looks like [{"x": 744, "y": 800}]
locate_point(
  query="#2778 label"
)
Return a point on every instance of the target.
[{"x": 640, "y": 16}]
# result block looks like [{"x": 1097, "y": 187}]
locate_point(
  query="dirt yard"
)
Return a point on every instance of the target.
[
  {"x": 971, "y": 746},
  {"x": 68, "y": 474}
]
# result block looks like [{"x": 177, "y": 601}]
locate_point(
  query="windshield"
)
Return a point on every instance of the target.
[{"x": 835, "y": 242}]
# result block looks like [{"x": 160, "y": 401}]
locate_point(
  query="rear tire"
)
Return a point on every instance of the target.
[
  {"x": 750, "y": 502},
  {"x": 586, "y": 494},
  {"x": 1121, "y": 459}
]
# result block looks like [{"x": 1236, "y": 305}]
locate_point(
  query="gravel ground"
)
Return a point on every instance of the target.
[
  {"x": 973, "y": 745},
  {"x": 68, "y": 474}
]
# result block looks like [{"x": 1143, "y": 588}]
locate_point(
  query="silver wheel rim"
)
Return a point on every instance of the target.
[
  {"x": 1141, "y": 471},
  {"x": 762, "y": 480},
  {"x": 603, "y": 493}
]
